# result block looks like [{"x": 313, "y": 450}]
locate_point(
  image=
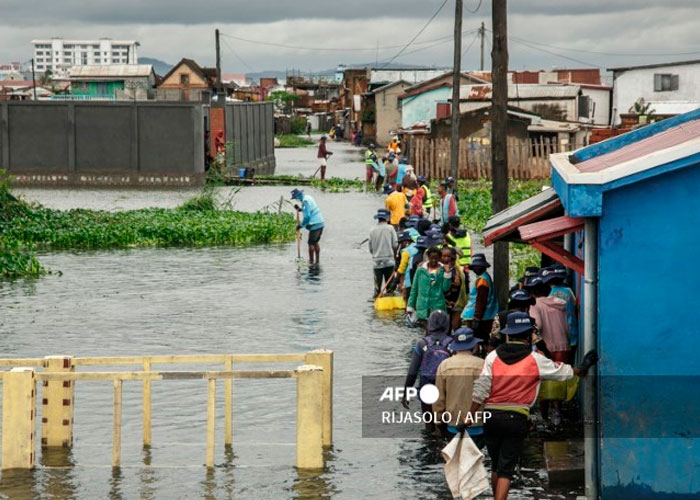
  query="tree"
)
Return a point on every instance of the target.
[
  {"x": 283, "y": 100},
  {"x": 46, "y": 79}
]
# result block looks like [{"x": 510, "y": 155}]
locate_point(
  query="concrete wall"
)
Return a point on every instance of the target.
[
  {"x": 647, "y": 339},
  {"x": 388, "y": 115},
  {"x": 600, "y": 99},
  {"x": 423, "y": 107},
  {"x": 250, "y": 127},
  {"x": 630, "y": 85},
  {"x": 102, "y": 143}
]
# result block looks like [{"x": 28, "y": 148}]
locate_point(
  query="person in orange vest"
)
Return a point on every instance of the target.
[{"x": 508, "y": 388}]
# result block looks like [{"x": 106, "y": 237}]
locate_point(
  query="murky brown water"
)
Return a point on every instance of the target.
[{"x": 166, "y": 301}]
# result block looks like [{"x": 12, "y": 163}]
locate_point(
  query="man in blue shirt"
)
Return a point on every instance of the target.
[{"x": 312, "y": 221}]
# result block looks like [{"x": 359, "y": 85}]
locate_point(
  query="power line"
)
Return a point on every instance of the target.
[
  {"x": 416, "y": 35},
  {"x": 475, "y": 10},
  {"x": 615, "y": 54},
  {"x": 326, "y": 49},
  {"x": 443, "y": 41},
  {"x": 532, "y": 46},
  {"x": 464, "y": 52},
  {"x": 238, "y": 57}
]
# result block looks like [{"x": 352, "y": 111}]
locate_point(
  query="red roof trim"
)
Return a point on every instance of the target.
[
  {"x": 550, "y": 228},
  {"x": 499, "y": 233},
  {"x": 558, "y": 253}
]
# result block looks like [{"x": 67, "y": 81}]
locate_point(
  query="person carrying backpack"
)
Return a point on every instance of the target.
[{"x": 427, "y": 355}]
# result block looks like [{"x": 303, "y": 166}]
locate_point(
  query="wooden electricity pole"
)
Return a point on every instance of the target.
[
  {"x": 482, "y": 35},
  {"x": 218, "y": 63},
  {"x": 499, "y": 151},
  {"x": 456, "y": 80}
]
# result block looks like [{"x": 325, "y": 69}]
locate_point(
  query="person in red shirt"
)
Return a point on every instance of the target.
[
  {"x": 323, "y": 155},
  {"x": 416, "y": 203}
]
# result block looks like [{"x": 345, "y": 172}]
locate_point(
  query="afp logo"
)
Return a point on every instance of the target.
[{"x": 428, "y": 394}]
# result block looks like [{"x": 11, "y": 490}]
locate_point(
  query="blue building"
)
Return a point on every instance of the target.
[{"x": 624, "y": 214}]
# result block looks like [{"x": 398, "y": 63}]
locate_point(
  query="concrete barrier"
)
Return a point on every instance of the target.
[{"x": 314, "y": 399}]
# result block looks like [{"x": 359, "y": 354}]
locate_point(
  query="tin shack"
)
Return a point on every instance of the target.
[{"x": 624, "y": 216}]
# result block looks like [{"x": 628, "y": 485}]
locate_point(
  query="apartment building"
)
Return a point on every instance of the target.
[{"x": 58, "y": 54}]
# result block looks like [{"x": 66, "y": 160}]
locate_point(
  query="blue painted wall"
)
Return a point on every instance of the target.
[
  {"x": 649, "y": 338},
  {"x": 423, "y": 107}
]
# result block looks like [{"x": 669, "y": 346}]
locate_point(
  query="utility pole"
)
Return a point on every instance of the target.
[
  {"x": 456, "y": 80},
  {"x": 218, "y": 63},
  {"x": 499, "y": 151},
  {"x": 33, "y": 79},
  {"x": 482, "y": 34}
]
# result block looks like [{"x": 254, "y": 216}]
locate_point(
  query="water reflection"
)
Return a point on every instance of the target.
[
  {"x": 19, "y": 484},
  {"x": 115, "y": 484},
  {"x": 311, "y": 485},
  {"x": 147, "y": 477}
]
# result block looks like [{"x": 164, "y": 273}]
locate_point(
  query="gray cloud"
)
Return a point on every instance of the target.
[{"x": 173, "y": 29}]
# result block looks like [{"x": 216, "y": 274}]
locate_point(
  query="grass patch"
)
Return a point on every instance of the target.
[{"x": 294, "y": 141}]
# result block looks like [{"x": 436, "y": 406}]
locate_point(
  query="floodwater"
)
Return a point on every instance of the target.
[
  {"x": 251, "y": 300},
  {"x": 346, "y": 162}
]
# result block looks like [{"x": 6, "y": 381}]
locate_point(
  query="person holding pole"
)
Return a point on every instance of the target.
[
  {"x": 383, "y": 243},
  {"x": 323, "y": 155},
  {"x": 312, "y": 221}
]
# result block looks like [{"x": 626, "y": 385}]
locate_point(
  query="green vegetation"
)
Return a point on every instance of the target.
[
  {"x": 475, "y": 199},
  {"x": 475, "y": 210},
  {"x": 200, "y": 221},
  {"x": 294, "y": 141}
]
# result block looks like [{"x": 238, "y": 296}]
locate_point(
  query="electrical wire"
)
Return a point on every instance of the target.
[
  {"x": 326, "y": 49},
  {"x": 445, "y": 40},
  {"x": 475, "y": 10},
  {"x": 226, "y": 44},
  {"x": 614, "y": 54},
  {"x": 464, "y": 52},
  {"x": 432, "y": 18},
  {"x": 535, "y": 47}
]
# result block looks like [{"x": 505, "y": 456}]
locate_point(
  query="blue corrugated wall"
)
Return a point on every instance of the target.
[{"x": 649, "y": 338}]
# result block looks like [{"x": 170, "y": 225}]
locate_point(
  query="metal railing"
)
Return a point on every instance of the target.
[{"x": 314, "y": 399}]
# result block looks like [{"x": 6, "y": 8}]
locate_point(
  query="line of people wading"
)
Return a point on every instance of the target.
[{"x": 483, "y": 361}]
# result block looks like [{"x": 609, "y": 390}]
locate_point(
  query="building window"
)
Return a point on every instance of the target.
[
  {"x": 665, "y": 82},
  {"x": 184, "y": 79}
]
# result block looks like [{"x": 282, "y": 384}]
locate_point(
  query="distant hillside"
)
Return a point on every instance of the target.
[{"x": 160, "y": 67}]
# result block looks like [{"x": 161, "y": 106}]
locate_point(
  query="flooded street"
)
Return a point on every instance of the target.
[{"x": 215, "y": 300}]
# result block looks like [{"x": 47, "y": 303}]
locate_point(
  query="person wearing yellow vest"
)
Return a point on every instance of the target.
[
  {"x": 370, "y": 163},
  {"x": 428, "y": 198},
  {"x": 459, "y": 239}
]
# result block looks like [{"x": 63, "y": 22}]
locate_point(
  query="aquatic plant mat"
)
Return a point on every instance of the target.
[{"x": 199, "y": 222}]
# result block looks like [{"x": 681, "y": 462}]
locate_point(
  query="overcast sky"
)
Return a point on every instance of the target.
[{"x": 542, "y": 31}]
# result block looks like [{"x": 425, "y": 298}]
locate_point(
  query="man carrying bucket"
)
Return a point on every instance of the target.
[{"x": 312, "y": 221}]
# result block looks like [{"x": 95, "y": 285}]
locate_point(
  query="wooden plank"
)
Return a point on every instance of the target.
[
  {"x": 147, "y": 406},
  {"x": 228, "y": 406},
  {"x": 558, "y": 253}
]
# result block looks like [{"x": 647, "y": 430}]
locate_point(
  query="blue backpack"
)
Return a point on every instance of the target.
[{"x": 434, "y": 352}]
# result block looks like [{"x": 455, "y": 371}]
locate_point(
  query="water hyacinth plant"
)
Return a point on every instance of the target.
[{"x": 199, "y": 222}]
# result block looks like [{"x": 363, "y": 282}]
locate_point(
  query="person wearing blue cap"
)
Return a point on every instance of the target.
[
  {"x": 382, "y": 245},
  {"x": 455, "y": 382},
  {"x": 519, "y": 300},
  {"x": 312, "y": 221},
  {"x": 427, "y": 355},
  {"x": 482, "y": 305},
  {"x": 429, "y": 285},
  {"x": 508, "y": 388}
]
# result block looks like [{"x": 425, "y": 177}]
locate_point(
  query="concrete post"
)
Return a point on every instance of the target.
[
  {"x": 228, "y": 406},
  {"x": 57, "y": 404},
  {"x": 211, "y": 421},
  {"x": 324, "y": 359},
  {"x": 18, "y": 407},
  {"x": 309, "y": 417},
  {"x": 117, "y": 424},
  {"x": 146, "y": 406}
]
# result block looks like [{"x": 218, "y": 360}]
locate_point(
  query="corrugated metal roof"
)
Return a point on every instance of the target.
[
  {"x": 663, "y": 140},
  {"x": 524, "y": 91},
  {"x": 503, "y": 226},
  {"x": 111, "y": 70}
]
